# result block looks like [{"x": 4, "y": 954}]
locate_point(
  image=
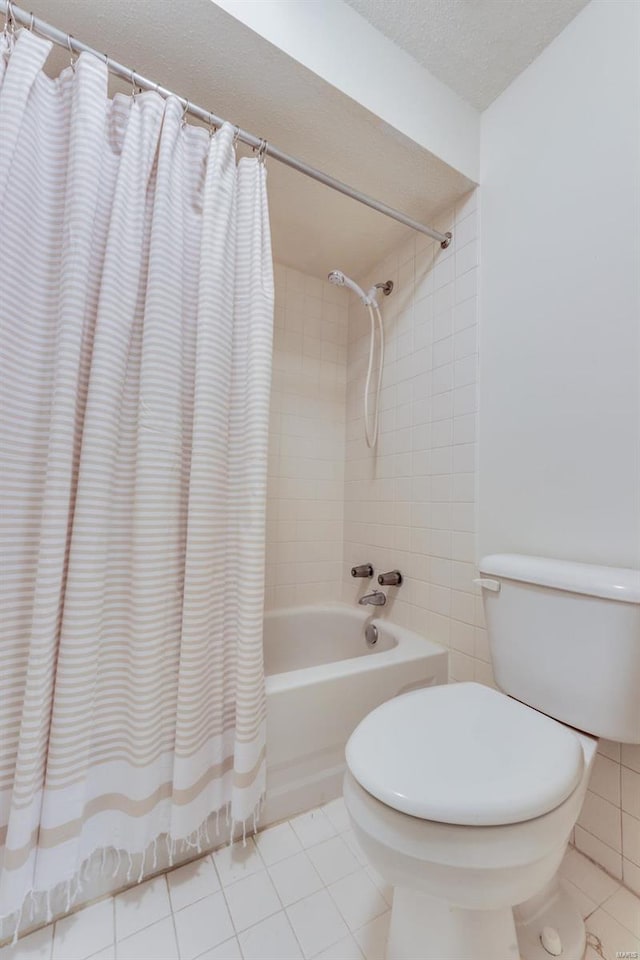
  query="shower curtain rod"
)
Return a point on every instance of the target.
[{"x": 15, "y": 15}]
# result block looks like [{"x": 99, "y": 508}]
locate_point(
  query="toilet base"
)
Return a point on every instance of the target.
[{"x": 423, "y": 928}]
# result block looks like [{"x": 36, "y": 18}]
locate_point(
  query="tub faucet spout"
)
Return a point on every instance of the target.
[{"x": 376, "y": 599}]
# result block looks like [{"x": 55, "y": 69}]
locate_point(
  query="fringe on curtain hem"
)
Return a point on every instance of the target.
[{"x": 199, "y": 841}]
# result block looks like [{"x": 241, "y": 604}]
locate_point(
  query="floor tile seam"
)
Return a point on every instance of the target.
[{"x": 603, "y": 906}]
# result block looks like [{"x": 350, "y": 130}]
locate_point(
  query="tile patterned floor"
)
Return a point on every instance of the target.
[{"x": 302, "y": 889}]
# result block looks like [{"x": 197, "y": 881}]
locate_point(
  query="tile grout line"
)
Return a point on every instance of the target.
[
  {"x": 173, "y": 918},
  {"x": 222, "y": 888},
  {"x": 115, "y": 931}
]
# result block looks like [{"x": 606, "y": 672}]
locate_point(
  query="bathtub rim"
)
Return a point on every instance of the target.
[{"x": 409, "y": 646}]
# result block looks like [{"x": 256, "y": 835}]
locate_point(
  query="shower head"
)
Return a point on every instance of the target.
[{"x": 342, "y": 280}]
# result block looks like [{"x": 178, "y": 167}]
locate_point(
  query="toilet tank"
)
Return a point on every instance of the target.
[{"x": 565, "y": 639}]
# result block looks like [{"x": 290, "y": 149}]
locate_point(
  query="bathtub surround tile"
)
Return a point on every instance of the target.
[
  {"x": 272, "y": 939},
  {"x": 333, "y": 860},
  {"x": 316, "y": 923},
  {"x": 155, "y": 942},
  {"x": 251, "y": 900},
  {"x": 202, "y": 925},
  {"x": 277, "y": 843},
  {"x": 295, "y": 878},
  {"x": 306, "y": 441},
  {"x": 141, "y": 906},
  {"x": 89, "y": 930},
  {"x": 192, "y": 882},
  {"x": 313, "y": 827},
  {"x": 437, "y": 557},
  {"x": 358, "y": 899}
]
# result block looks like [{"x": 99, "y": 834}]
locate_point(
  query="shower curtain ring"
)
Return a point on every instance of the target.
[
  {"x": 134, "y": 89},
  {"x": 236, "y": 136},
  {"x": 262, "y": 150},
  {"x": 212, "y": 127},
  {"x": 185, "y": 112},
  {"x": 72, "y": 59},
  {"x": 32, "y": 23},
  {"x": 9, "y": 28}
]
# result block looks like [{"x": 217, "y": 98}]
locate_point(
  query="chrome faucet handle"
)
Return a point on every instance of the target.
[
  {"x": 363, "y": 570},
  {"x": 391, "y": 579}
]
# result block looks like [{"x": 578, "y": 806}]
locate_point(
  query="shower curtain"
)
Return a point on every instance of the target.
[{"x": 136, "y": 303}]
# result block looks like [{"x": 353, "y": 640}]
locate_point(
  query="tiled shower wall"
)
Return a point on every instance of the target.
[
  {"x": 306, "y": 441},
  {"x": 410, "y": 503}
]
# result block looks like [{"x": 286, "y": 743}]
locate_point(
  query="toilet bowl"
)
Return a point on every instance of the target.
[
  {"x": 464, "y": 797},
  {"x": 477, "y": 820}
]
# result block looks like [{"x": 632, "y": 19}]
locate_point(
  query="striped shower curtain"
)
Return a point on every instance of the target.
[{"x": 136, "y": 298}]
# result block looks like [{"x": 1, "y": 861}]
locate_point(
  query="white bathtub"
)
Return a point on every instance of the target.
[{"x": 322, "y": 679}]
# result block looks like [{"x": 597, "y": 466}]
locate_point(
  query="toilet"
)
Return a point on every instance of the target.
[{"x": 464, "y": 797}]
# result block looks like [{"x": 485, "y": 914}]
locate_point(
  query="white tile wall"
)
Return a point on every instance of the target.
[
  {"x": 306, "y": 441},
  {"x": 411, "y": 502}
]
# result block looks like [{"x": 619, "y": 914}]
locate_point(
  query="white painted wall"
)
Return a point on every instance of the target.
[
  {"x": 559, "y": 467},
  {"x": 339, "y": 45},
  {"x": 559, "y": 441}
]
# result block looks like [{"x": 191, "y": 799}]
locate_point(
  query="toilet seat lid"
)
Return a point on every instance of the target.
[{"x": 465, "y": 754}]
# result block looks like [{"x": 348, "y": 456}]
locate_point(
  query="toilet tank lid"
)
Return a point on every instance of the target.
[{"x": 612, "y": 583}]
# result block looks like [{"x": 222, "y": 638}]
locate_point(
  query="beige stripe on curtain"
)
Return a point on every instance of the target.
[{"x": 136, "y": 309}]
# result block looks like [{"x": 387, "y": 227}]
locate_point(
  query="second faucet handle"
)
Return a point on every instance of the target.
[{"x": 391, "y": 579}]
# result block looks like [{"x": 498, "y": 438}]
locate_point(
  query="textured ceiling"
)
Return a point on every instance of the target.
[
  {"x": 217, "y": 62},
  {"x": 476, "y": 47}
]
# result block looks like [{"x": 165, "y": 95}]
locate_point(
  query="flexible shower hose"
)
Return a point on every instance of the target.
[{"x": 371, "y": 432}]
